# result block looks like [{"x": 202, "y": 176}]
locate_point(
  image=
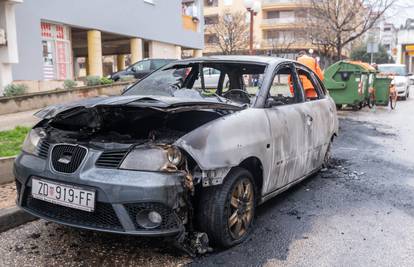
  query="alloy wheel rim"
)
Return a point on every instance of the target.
[{"x": 241, "y": 208}]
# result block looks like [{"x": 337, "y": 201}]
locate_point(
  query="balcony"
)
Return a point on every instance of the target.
[
  {"x": 189, "y": 23},
  {"x": 286, "y": 43},
  {"x": 283, "y": 4},
  {"x": 281, "y": 23}
]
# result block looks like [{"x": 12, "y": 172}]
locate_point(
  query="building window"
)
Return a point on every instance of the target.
[
  {"x": 228, "y": 2},
  {"x": 301, "y": 14},
  {"x": 272, "y": 34},
  {"x": 57, "y": 52},
  {"x": 210, "y": 20},
  {"x": 210, "y": 39},
  {"x": 210, "y": 3},
  {"x": 273, "y": 15}
]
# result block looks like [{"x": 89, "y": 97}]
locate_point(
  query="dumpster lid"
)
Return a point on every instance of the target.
[{"x": 364, "y": 65}]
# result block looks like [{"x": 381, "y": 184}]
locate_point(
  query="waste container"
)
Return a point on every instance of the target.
[
  {"x": 348, "y": 82},
  {"x": 383, "y": 94}
]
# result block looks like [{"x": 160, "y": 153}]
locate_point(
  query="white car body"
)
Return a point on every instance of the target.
[
  {"x": 211, "y": 79},
  {"x": 402, "y": 81}
]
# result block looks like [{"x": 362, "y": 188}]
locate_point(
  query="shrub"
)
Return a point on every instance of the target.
[
  {"x": 93, "y": 80},
  {"x": 15, "y": 89},
  {"x": 105, "y": 80},
  {"x": 69, "y": 84}
]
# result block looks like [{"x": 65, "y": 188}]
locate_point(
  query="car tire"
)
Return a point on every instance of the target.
[{"x": 225, "y": 224}]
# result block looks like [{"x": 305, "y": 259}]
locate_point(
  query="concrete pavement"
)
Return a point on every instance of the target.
[{"x": 10, "y": 121}]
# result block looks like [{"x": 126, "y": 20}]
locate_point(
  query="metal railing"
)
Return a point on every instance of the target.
[{"x": 279, "y": 21}]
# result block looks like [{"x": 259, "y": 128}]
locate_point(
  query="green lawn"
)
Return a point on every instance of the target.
[{"x": 11, "y": 141}]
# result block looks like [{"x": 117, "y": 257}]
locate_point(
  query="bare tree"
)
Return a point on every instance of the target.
[
  {"x": 335, "y": 24},
  {"x": 281, "y": 45},
  {"x": 231, "y": 32}
]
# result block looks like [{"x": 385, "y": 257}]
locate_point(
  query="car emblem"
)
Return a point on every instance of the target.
[{"x": 65, "y": 158}]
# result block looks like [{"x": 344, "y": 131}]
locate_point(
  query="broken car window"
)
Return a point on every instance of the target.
[{"x": 233, "y": 81}]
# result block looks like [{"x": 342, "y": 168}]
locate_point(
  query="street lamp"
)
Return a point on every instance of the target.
[{"x": 253, "y": 7}]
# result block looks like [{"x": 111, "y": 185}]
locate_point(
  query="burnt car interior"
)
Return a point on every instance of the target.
[
  {"x": 243, "y": 81},
  {"x": 284, "y": 89}
]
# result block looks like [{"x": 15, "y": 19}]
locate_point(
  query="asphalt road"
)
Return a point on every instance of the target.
[{"x": 360, "y": 212}]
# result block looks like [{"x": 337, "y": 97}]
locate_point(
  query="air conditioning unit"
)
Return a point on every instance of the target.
[{"x": 3, "y": 40}]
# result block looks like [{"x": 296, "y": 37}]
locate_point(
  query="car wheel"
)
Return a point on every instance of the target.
[{"x": 226, "y": 212}]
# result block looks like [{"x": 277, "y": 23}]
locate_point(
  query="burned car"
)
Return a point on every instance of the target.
[{"x": 167, "y": 158}]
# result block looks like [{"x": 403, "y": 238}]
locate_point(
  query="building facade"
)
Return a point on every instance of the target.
[
  {"x": 385, "y": 34},
  {"x": 65, "y": 39},
  {"x": 389, "y": 39},
  {"x": 277, "y": 26},
  {"x": 8, "y": 41},
  {"x": 405, "y": 45}
]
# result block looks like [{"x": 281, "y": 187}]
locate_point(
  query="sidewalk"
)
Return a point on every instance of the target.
[
  {"x": 7, "y": 195},
  {"x": 10, "y": 215},
  {"x": 10, "y": 121}
]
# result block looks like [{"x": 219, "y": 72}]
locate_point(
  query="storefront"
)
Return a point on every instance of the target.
[{"x": 57, "y": 55}]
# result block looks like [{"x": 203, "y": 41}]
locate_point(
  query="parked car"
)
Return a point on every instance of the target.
[
  {"x": 165, "y": 159},
  {"x": 402, "y": 80},
  {"x": 141, "y": 68},
  {"x": 211, "y": 79}
]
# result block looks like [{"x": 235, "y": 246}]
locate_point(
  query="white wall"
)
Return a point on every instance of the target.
[{"x": 8, "y": 53}]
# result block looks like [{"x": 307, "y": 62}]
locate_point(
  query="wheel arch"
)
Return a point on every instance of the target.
[{"x": 255, "y": 167}]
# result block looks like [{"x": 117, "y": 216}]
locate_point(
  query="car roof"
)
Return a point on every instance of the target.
[
  {"x": 240, "y": 58},
  {"x": 390, "y": 65}
]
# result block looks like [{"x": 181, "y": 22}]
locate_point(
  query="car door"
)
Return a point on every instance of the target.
[
  {"x": 321, "y": 117},
  {"x": 290, "y": 131}
]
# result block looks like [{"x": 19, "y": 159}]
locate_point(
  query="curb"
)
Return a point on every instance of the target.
[
  {"x": 13, "y": 217},
  {"x": 6, "y": 170}
]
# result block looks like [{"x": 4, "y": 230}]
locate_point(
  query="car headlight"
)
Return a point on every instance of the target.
[
  {"x": 153, "y": 158},
  {"x": 32, "y": 140}
]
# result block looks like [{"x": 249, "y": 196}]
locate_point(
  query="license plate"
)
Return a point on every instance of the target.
[{"x": 63, "y": 194}]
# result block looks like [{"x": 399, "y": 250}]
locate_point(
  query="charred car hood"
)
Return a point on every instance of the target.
[{"x": 155, "y": 102}]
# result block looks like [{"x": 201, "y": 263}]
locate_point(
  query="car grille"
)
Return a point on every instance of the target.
[
  {"x": 43, "y": 149},
  {"x": 111, "y": 159},
  {"x": 74, "y": 155},
  {"x": 169, "y": 219},
  {"x": 103, "y": 217}
]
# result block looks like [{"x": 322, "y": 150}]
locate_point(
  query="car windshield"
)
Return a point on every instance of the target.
[
  {"x": 238, "y": 82},
  {"x": 397, "y": 70}
]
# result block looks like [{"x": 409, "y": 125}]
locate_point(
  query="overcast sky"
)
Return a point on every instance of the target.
[{"x": 403, "y": 10}]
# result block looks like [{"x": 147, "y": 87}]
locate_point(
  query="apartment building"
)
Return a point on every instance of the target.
[
  {"x": 384, "y": 33},
  {"x": 66, "y": 39},
  {"x": 405, "y": 46},
  {"x": 278, "y": 26}
]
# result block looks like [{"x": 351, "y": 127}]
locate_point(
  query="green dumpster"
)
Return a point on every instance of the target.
[
  {"x": 382, "y": 90},
  {"x": 348, "y": 82}
]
